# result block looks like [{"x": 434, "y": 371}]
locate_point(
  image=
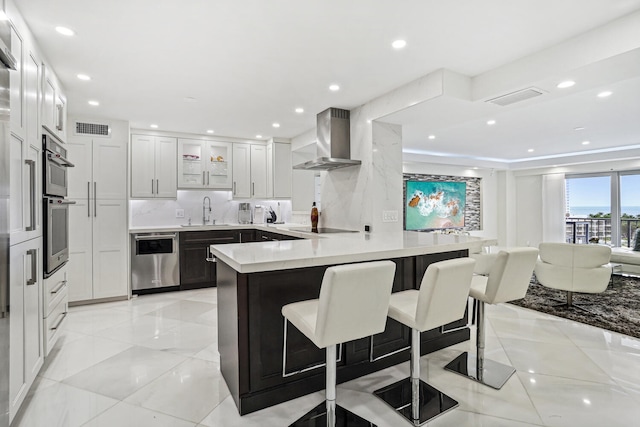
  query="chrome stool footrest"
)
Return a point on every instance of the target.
[
  {"x": 317, "y": 417},
  {"x": 432, "y": 402}
]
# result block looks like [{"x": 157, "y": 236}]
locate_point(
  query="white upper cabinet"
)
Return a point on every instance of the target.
[
  {"x": 259, "y": 171},
  {"x": 279, "y": 170},
  {"x": 204, "y": 164},
  {"x": 54, "y": 108},
  {"x": 153, "y": 167},
  {"x": 241, "y": 170}
]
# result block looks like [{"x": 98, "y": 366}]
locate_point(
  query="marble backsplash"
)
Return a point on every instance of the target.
[{"x": 223, "y": 209}]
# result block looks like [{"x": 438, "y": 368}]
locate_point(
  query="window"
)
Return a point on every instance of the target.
[{"x": 603, "y": 208}]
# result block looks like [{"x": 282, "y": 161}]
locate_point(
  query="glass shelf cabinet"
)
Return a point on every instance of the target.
[{"x": 204, "y": 164}]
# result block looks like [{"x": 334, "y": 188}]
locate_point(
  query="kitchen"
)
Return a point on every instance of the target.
[{"x": 111, "y": 146}]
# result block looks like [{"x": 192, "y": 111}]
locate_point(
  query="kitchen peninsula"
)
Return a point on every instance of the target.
[{"x": 256, "y": 279}]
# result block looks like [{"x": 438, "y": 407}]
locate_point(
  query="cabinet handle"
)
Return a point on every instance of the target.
[
  {"x": 89, "y": 199},
  {"x": 253, "y": 189},
  {"x": 152, "y": 192},
  {"x": 95, "y": 199},
  {"x": 210, "y": 257},
  {"x": 157, "y": 186},
  {"x": 234, "y": 188},
  {"x": 33, "y": 253},
  {"x": 61, "y": 316},
  {"x": 60, "y": 109},
  {"x": 59, "y": 287},
  {"x": 202, "y": 177},
  {"x": 208, "y": 178},
  {"x": 32, "y": 194}
]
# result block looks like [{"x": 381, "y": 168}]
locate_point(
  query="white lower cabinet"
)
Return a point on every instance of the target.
[
  {"x": 55, "y": 306},
  {"x": 97, "y": 250},
  {"x": 25, "y": 302}
]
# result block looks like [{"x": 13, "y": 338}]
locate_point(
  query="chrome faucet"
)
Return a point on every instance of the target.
[{"x": 204, "y": 209}]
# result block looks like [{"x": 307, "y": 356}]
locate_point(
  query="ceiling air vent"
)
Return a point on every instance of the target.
[
  {"x": 517, "y": 96},
  {"x": 95, "y": 129}
]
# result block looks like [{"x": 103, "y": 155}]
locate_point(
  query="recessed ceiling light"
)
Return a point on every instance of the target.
[
  {"x": 399, "y": 44},
  {"x": 276, "y": 125},
  {"x": 258, "y": 136},
  {"x": 432, "y": 137},
  {"x": 94, "y": 103},
  {"x": 491, "y": 122},
  {"x": 579, "y": 128},
  {"x": 334, "y": 88},
  {"x": 209, "y": 130},
  {"x": 153, "y": 126},
  {"x": 530, "y": 150},
  {"x": 83, "y": 77},
  {"x": 65, "y": 31},
  {"x": 604, "y": 94},
  {"x": 585, "y": 142},
  {"x": 565, "y": 84},
  {"x": 3, "y": 16},
  {"x": 299, "y": 110}
]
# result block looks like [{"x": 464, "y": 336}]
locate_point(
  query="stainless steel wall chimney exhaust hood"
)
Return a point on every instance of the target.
[{"x": 333, "y": 147}]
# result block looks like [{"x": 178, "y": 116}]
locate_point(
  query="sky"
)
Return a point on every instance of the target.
[{"x": 596, "y": 191}]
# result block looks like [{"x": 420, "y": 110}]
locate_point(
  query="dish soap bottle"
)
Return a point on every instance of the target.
[{"x": 314, "y": 218}]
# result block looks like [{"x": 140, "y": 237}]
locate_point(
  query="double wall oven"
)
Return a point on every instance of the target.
[{"x": 56, "y": 207}]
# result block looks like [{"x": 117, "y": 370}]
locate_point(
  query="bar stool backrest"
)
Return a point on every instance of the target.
[
  {"x": 510, "y": 275},
  {"x": 354, "y": 301},
  {"x": 444, "y": 292}
]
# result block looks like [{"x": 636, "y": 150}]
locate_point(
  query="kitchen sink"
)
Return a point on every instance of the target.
[{"x": 204, "y": 225}]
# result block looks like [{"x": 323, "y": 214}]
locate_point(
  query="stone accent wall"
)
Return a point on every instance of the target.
[{"x": 473, "y": 204}]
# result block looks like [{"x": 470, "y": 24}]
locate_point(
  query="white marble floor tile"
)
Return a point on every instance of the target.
[
  {"x": 541, "y": 330},
  {"x": 121, "y": 375},
  {"x": 139, "y": 329},
  {"x": 510, "y": 311},
  {"x": 186, "y": 339},
  {"x": 564, "y": 402},
  {"x": 126, "y": 415},
  {"x": 184, "y": 310},
  {"x": 75, "y": 356},
  {"x": 209, "y": 353},
  {"x": 91, "y": 321},
  {"x": 587, "y": 336},
  {"x": 624, "y": 368},
  {"x": 198, "y": 383},
  {"x": 559, "y": 359},
  {"x": 209, "y": 295},
  {"x": 61, "y": 405}
]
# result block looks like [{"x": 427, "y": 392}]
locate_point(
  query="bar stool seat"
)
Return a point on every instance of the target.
[
  {"x": 442, "y": 299},
  {"x": 353, "y": 304}
]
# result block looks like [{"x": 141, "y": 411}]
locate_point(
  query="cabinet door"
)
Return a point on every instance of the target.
[
  {"x": 142, "y": 166},
  {"x": 80, "y": 181},
  {"x": 80, "y": 271},
  {"x": 24, "y": 221},
  {"x": 241, "y": 170},
  {"x": 191, "y": 172},
  {"x": 217, "y": 161},
  {"x": 110, "y": 249},
  {"x": 259, "y": 171},
  {"x": 109, "y": 169},
  {"x": 282, "y": 170},
  {"x": 26, "y": 355},
  {"x": 165, "y": 168},
  {"x": 49, "y": 104},
  {"x": 16, "y": 79},
  {"x": 61, "y": 116}
]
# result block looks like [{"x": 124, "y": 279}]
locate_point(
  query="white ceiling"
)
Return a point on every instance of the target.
[{"x": 251, "y": 63}]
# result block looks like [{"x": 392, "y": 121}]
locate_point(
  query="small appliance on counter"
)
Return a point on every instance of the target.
[
  {"x": 271, "y": 216},
  {"x": 244, "y": 213},
  {"x": 258, "y": 214}
]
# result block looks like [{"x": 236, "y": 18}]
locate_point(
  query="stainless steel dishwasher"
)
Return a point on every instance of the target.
[{"x": 155, "y": 262}]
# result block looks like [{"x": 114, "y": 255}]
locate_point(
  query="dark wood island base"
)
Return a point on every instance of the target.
[{"x": 250, "y": 333}]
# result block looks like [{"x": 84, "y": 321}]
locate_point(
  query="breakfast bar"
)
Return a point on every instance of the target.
[{"x": 256, "y": 279}]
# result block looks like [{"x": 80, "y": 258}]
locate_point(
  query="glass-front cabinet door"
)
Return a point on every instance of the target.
[{"x": 204, "y": 164}]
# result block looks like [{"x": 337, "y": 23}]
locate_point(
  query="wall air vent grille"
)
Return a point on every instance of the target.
[
  {"x": 95, "y": 129},
  {"x": 517, "y": 96}
]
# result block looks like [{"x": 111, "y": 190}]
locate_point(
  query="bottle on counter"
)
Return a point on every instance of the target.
[{"x": 314, "y": 218}]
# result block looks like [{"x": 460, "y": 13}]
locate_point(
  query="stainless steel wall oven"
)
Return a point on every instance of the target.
[{"x": 55, "y": 207}]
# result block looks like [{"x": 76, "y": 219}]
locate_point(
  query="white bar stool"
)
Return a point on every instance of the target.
[
  {"x": 442, "y": 299},
  {"x": 353, "y": 304},
  {"x": 508, "y": 280}
]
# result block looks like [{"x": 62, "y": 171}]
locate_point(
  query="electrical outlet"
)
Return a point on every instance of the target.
[
  {"x": 389, "y": 216},
  {"x": 179, "y": 213}
]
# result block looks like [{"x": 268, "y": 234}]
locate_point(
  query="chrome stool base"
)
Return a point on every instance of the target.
[
  {"x": 432, "y": 402},
  {"x": 317, "y": 417},
  {"x": 493, "y": 374}
]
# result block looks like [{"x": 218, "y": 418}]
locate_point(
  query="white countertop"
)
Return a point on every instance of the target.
[
  {"x": 275, "y": 228},
  {"x": 338, "y": 248}
]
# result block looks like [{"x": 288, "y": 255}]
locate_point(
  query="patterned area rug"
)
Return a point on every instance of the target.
[{"x": 616, "y": 309}]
